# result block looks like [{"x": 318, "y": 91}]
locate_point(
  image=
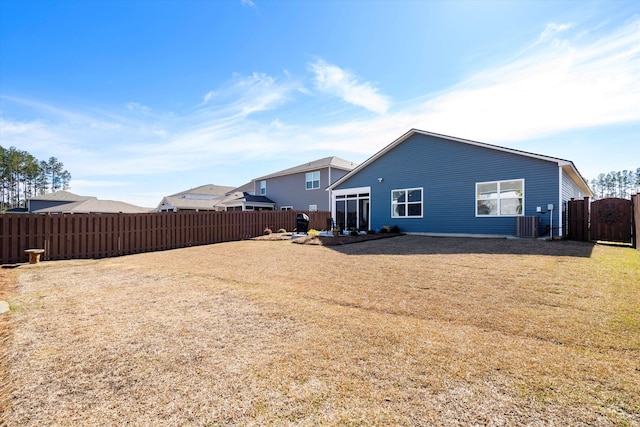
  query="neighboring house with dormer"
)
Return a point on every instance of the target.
[
  {"x": 302, "y": 187},
  {"x": 204, "y": 198}
]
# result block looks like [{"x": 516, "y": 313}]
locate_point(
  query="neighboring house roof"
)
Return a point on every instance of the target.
[
  {"x": 566, "y": 165},
  {"x": 246, "y": 198},
  {"x": 63, "y": 196},
  {"x": 246, "y": 188},
  {"x": 205, "y": 197},
  {"x": 256, "y": 199},
  {"x": 16, "y": 210},
  {"x": 205, "y": 190},
  {"x": 93, "y": 205},
  {"x": 333, "y": 162}
]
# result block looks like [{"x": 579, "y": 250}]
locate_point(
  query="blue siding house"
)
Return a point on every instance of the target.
[{"x": 427, "y": 183}]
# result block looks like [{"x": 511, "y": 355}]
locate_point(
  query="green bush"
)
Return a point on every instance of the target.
[
  {"x": 371, "y": 231},
  {"x": 385, "y": 229},
  {"x": 313, "y": 233},
  {"x": 282, "y": 230},
  {"x": 353, "y": 233},
  {"x": 395, "y": 229}
]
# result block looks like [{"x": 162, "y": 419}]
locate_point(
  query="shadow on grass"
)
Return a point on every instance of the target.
[{"x": 423, "y": 245}]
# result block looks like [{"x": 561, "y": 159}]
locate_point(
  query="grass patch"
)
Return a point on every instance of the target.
[{"x": 404, "y": 331}]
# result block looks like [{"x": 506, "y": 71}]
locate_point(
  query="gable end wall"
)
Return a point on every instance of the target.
[{"x": 448, "y": 171}]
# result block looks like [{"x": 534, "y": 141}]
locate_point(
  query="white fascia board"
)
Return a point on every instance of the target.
[{"x": 351, "y": 190}]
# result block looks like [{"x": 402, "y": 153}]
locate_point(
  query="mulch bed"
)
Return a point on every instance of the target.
[{"x": 326, "y": 240}]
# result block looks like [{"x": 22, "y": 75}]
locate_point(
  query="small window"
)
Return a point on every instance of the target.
[
  {"x": 313, "y": 208},
  {"x": 286, "y": 208},
  {"x": 406, "y": 203},
  {"x": 263, "y": 188},
  {"x": 500, "y": 198},
  {"x": 312, "y": 180}
]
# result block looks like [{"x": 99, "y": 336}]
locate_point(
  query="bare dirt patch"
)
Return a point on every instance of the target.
[{"x": 404, "y": 331}]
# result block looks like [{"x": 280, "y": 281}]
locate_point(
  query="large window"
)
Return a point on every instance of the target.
[
  {"x": 263, "y": 188},
  {"x": 500, "y": 198},
  {"x": 406, "y": 203},
  {"x": 312, "y": 180}
]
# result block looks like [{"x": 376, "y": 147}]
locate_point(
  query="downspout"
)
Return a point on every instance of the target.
[
  {"x": 330, "y": 199},
  {"x": 560, "y": 205}
]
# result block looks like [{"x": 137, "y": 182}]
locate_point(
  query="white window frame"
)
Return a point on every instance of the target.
[
  {"x": 313, "y": 208},
  {"x": 310, "y": 178},
  {"x": 263, "y": 187},
  {"x": 286, "y": 208},
  {"x": 406, "y": 203},
  {"x": 498, "y": 199}
]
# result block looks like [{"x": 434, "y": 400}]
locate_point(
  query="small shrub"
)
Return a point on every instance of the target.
[
  {"x": 395, "y": 229},
  {"x": 282, "y": 230},
  {"x": 313, "y": 233},
  {"x": 385, "y": 229},
  {"x": 267, "y": 231},
  {"x": 353, "y": 233},
  {"x": 371, "y": 231}
]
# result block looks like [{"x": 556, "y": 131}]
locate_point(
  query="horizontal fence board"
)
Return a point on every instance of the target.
[{"x": 77, "y": 236}]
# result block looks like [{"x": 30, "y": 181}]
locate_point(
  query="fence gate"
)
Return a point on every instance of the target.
[{"x": 612, "y": 220}]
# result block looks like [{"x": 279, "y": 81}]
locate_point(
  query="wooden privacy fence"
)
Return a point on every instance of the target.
[
  {"x": 613, "y": 220},
  {"x": 71, "y": 236}
]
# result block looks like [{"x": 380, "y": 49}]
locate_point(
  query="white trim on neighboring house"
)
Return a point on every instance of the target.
[{"x": 312, "y": 180}]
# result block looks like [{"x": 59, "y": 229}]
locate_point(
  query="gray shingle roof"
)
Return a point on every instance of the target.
[
  {"x": 94, "y": 205},
  {"x": 333, "y": 162},
  {"x": 62, "y": 195},
  {"x": 206, "y": 190}
]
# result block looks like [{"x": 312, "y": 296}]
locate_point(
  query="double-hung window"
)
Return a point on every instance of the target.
[
  {"x": 312, "y": 180},
  {"x": 500, "y": 198},
  {"x": 263, "y": 187},
  {"x": 406, "y": 203}
]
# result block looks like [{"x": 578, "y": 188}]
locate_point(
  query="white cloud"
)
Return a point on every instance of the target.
[
  {"x": 134, "y": 106},
  {"x": 208, "y": 96},
  {"x": 249, "y": 3},
  {"x": 333, "y": 79},
  {"x": 552, "y": 29},
  {"x": 561, "y": 84}
]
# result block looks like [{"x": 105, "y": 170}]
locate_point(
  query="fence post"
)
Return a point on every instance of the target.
[
  {"x": 635, "y": 217},
  {"x": 587, "y": 219}
]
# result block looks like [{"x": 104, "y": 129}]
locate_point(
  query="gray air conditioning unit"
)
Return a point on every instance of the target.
[{"x": 528, "y": 226}]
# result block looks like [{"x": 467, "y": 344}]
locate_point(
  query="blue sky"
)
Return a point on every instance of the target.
[{"x": 144, "y": 98}]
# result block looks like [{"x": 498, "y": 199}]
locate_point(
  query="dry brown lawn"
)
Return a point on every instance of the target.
[{"x": 403, "y": 331}]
